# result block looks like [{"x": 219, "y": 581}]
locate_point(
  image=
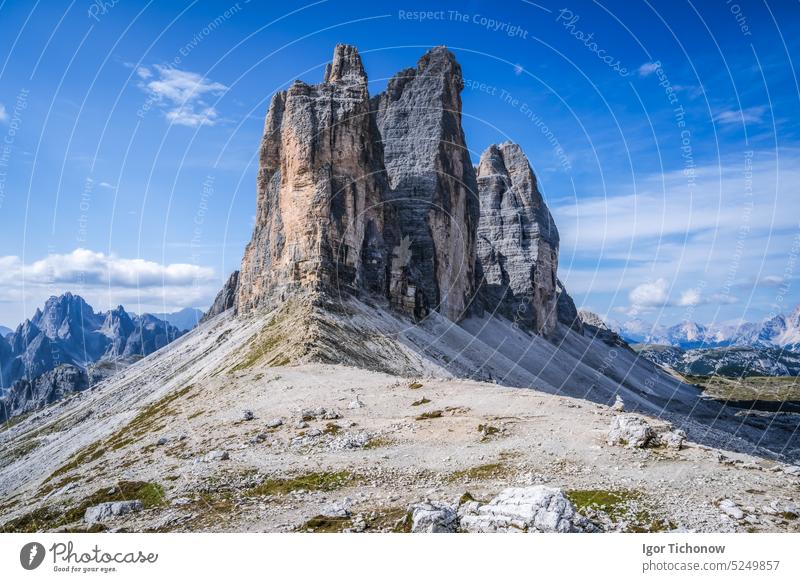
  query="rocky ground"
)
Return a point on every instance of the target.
[{"x": 330, "y": 448}]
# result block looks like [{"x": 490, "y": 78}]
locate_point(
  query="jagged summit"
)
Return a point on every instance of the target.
[
  {"x": 377, "y": 197},
  {"x": 517, "y": 240},
  {"x": 346, "y": 66}
]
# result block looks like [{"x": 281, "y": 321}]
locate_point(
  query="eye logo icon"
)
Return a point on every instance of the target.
[{"x": 31, "y": 555}]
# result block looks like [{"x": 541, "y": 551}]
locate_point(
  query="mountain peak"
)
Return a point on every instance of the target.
[{"x": 346, "y": 66}]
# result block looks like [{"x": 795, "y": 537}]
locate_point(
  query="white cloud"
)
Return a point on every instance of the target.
[
  {"x": 749, "y": 115},
  {"x": 182, "y": 94},
  {"x": 648, "y": 69},
  {"x": 105, "y": 280},
  {"x": 733, "y": 227},
  {"x": 3, "y": 114},
  {"x": 690, "y": 298},
  {"x": 650, "y": 294},
  {"x": 106, "y": 185}
]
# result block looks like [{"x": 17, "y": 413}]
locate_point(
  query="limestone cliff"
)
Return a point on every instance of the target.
[
  {"x": 517, "y": 241},
  {"x": 434, "y": 189},
  {"x": 319, "y": 213}
]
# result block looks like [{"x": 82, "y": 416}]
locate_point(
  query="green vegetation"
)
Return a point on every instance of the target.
[
  {"x": 324, "y": 481},
  {"x": 415, "y": 385},
  {"x": 487, "y": 430},
  {"x": 767, "y": 388},
  {"x": 13, "y": 421},
  {"x": 429, "y": 415},
  {"x": 420, "y": 402},
  {"x": 143, "y": 424},
  {"x": 487, "y": 471},
  {"x": 378, "y": 442},
  {"x": 331, "y": 428},
  {"x": 276, "y": 334},
  {"x": 49, "y": 518},
  {"x": 326, "y": 524},
  {"x": 619, "y": 505}
]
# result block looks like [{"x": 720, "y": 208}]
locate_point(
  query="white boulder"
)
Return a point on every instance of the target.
[
  {"x": 631, "y": 431},
  {"x": 524, "y": 509},
  {"x": 432, "y": 517}
]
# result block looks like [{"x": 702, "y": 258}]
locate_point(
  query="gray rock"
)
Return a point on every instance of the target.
[
  {"x": 432, "y": 517},
  {"x": 105, "y": 511},
  {"x": 673, "y": 439},
  {"x": 225, "y": 299},
  {"x": 216, "y": 455},
  {"x": 517, "y": 241},
  {"x": 274, "y": 423},
  {"x": 631, "y": 431},
  {"x": 524, "y": 509},
  {"x": 320, "y": 163},
  {"x": 619, "y": 404},
  {"x": 434, "y": 191},
  {"x": 162, "y": 441},
  {"x": 319, "y": 413},
  {"x": 730, "y": 508},
  {"x": 248, "y": 415},
  {"x": 355, "y": 404}
]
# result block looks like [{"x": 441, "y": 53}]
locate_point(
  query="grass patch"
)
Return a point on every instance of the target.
[
  {"x": 331, "y": 428},
  {"x": 420, "y": 402},
  {"x": 429, "y": 415},
  {"x": 14, "y": 420},
  {"x": 196, "y": 414},
  {"x": 142, "y": 424},
  {"x": 619, "y": 505},
  {"x": 487, "y": 471},
  {"x": 324, "y": 481},
  {"x": 326, "y": 524},
  {"x": 49, "y": 518},
  {"x": 415, "y": 386},
  {"x": 378, "y": 442}
]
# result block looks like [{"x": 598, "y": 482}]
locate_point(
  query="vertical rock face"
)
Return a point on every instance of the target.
[
  {"x": 517, "y": 241},
  {"x": 380, "y": 197},
  {"x": 320, "y": 182},
  {"x": 434, "y": 190},
  {"x": 225, "y": 299}
]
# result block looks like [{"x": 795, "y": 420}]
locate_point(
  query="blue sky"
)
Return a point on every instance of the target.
[{"x": 662, "y": 135}]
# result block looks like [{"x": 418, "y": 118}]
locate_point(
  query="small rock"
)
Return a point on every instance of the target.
[
  {"x": 162, "y": 441},
  {"x": 431, "y": 517},
  {"x": 180, "y": 501},
  {"x": 314, "y": 432},
  {"x": 619, "y": 404},
  {"x": 217, "y": 455},
  {"x": 338, "y": 508},
  {"x": 248, "y": 415},
  {"x": 356, "y": 404},
  {"x": 104, "y": 511},
  {"x": 631, "y": 431},
  {"x": 673, "y": 439},
  {"x": 274, "y": 423},
  {"x": 730, "y": 508},
  {"x": 301, "y": 424}
]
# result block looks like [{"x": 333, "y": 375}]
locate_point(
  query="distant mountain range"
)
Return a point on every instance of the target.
[
  {"x": 67, "y": 347},
  {"x": 4, "y": 331},
  {"x": 768, "y": 348},
  {"x": 781, "y": 331}
]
